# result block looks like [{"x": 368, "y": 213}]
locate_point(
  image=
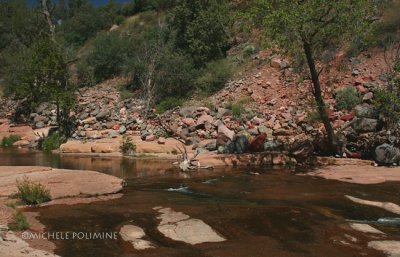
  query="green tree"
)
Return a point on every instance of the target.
[
  {"x": 43, "y": 76},
  {"x": 202, "y": 28},
  {"x": 84, "y": 22},
  {"x": 18, "y": 23},
  {"x": 310, "y": 27},
  {"x": 108, "y": 55}
]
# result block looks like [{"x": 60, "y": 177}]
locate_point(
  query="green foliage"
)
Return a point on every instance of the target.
[
  {"x": 347, "y": 98},
  {"x": 127, "y": 146},
  {"x": 43, "y": 76},
  {"x": 108, "y": 55},
  {"x": 85, "y": 74},
  {"x": 313, "y": 117},
  {"x": 19, "y": 222},
  {"x": 176, "y": 74},
  {"x": 387, "y": 30},
  {"x": 32, "y": 193},
  {"x": 238, "y": 107},
  {"x": 125, "y": 93},
  {"x": 388, "y": 103},
  {"x": 249, "y": 50},
  {"x": 18, "y": 23},
  {"x": 202, "y": 29},
  {"x": 10, "y": 140},
  {"x": 119, "y": 19},
  {"x": 214, "y": 76},
  {"x": 53, "y": 142},
  {"x": 168, "y": 104},
  {"x": 84, "y": 23},
  {"x": 318, "y": 23},
  {"x": 160, "y": 71}
]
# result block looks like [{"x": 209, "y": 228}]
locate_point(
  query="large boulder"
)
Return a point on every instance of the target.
[
  {"x": 365, "y": 125},
  {"x": 222, "y": 129},
  {"x": 301, "y": 150},
  {"x": 257, "y": 145},
  {"x": 387, "y": 154},
  {"x": 366, "y": 111},
  {"x": 241, "y": 144}
]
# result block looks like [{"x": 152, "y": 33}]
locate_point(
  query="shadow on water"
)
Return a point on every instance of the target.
[{"x": 275, "y": 213}]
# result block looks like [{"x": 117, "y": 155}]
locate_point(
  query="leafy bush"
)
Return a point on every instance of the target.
[
  {"x": 202, "y": 29},
  {"x": 388, "y": 104},
  {"x": 249, "y": 50},
  {"x": 168, "y": 104},
  {"x": 19, "y": 222},
  {"x": 85, "y": 74},
  {"x": 10, "y": 140},
  {"x": 238, "y": 107},
  {"x": 84, "y": 24},
  {"x": 127, "y": 146},
  {"x": 387, "y": 30},
  {"x": 313, "y": 117},
  {"x": 176, "y": 73},
  {"x": 32, "y": 193},
  {"x": 119, "y": 19},
  {"x": 53, "y": 142},
  {"x": 125, "y": 93},
  {"x": 347, "y": 98},
  {"x": 108, "y": 55},
  {"x": 214, "y": 76}
]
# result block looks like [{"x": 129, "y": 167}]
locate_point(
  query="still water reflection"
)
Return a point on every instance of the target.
[{"x": 273, "y": 214}]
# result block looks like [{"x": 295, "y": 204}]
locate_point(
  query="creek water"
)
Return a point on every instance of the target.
[{"x": 275, "y": 213}]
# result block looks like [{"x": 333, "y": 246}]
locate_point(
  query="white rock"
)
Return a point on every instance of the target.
[
  {"x": 180, "y": 227},
  {"x": 391, "y": 248},
  {"x": 133, "y": 234},
  {"x": 365, "y": 228}
]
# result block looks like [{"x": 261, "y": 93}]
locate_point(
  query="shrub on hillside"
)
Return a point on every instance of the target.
[
  {"x": 388, "y": 104},
  {"x": 176, "y": 75},
  {"x": 84, "y": 24},
  {"x": 119, "y": 19},
  {"x": 214, "y": 76},
  {"x": 347, "y": 98},
  {"x": 168, "y": 104},
  {"x": 108, "y": 55},
  {"x": 85, "y": 74},
  {"x": 238, "y": 107}
]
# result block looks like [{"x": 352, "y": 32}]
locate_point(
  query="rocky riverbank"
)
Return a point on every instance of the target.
[
  {"x": 261, "y": 111},
  {"x": 65, "y": 186}
]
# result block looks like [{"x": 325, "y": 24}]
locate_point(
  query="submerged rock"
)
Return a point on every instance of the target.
[
  {"x": 180, "y": 227},
  {"x": 133, "y": 234},
  {"x": 366, "y": 125}
]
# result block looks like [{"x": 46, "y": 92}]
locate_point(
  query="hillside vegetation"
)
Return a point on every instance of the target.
[{"x": 165, "y": 53}]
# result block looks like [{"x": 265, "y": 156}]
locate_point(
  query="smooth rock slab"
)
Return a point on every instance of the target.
[
  {"x": 13, "y": 246},
  {"x": 133, "y": 234},
  {"x": 391, "y": 248},
  {"x": 180, "y": 227},
  {"x": 388, "y": 206},
  {"x": 365, "y": 228}
]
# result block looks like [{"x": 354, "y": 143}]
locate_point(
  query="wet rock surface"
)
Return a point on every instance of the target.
[{"x": 180, "y": 227}]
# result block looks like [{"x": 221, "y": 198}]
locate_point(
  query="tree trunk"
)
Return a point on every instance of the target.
[
  {"x": 319, "y": 99},
  {"x": 47, "y": 15}
]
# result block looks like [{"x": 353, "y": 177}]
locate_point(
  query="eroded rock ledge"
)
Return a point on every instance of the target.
[{"x": 66, "y": 187}]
